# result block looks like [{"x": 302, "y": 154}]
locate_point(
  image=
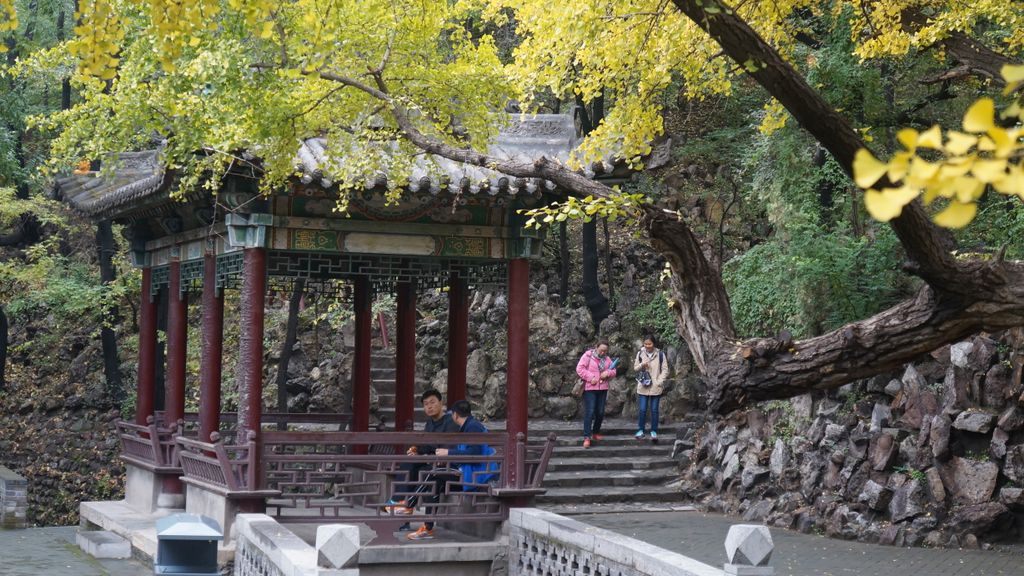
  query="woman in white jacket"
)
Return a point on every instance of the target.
[{"x": 651, "y": 369}]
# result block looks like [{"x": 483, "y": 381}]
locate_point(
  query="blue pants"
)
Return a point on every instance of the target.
[
  {"x": 593, "y": 411},
  {"x": 651, "y": 403}
]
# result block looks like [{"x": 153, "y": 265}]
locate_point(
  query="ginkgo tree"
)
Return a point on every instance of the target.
[
  {"x": 384, "y": 82},
  {"x": 956, "y": 166}
]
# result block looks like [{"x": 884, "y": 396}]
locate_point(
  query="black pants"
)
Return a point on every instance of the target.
[{"x": 440, "y": 477}]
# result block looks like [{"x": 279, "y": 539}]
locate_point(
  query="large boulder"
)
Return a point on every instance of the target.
[
  {"x": 908, "y": 501},
  {"x": 979, "y": 518},
  {"x": 779, "y": 459},
  {"x": 1012, "y": 419},
  {"x": 494, "y": 396},
  {"x": 875, "y": 495},
  {"x": 883, "y": 452},
  {"x": 983, "y": 354},
  {"x": 960, "y": 353},
  {"x": 978, "y": 422},
  {"x": 996, "y": 388},
  {"x": 938, "y": 436},
  {"x": 969, "y": 481},
  {"x": 478, "y": 368},
  {"x": 1013, "y": 467}
]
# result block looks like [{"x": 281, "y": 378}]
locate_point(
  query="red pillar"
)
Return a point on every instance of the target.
[
  {"x": 361, "y": 368},
  {"x": 405, "y": 355},
  {"x": 177, "y": 343},
  {"x": 250, "y": 357},
  {"x": 146, "y": 393},
  {"x": 458, "y": 336},
  {"x": 213, "y": 347},
  {"x": 518, "y": 370}
]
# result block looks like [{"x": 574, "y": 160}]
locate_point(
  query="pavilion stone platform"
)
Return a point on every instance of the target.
[{"x": 457, "y": 228}]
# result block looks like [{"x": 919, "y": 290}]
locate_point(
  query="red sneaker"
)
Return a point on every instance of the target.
[
  {"x": 586, "y": 442},
  {"x": 598, "y": 437}
]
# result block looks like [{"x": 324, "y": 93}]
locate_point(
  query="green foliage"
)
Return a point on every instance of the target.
[
  {"x": 656, "y": 317},
  {"x": 815, "y": 282},
  {"x": 912, "y": 473}
]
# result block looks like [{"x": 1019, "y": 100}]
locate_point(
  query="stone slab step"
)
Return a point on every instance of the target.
[
  {"x": 627, "y": 463},
  {"x": 615, "y": 440},
  {"x": 103, "y": 544},
  {"x": 605, "y": 451},
  {"x": 606, "y": 478},
  {"x": 611, "y": 494},
  {"x": 616, "y": 508}
]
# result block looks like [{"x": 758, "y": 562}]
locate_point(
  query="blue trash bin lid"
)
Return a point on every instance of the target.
[{"x": 188, "y": 527}]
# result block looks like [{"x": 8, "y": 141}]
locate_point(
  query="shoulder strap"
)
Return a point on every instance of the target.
[{"x": 661, "y": 360}]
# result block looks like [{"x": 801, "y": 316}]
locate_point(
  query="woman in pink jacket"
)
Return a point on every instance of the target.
[{"x": 595, "y": 368}]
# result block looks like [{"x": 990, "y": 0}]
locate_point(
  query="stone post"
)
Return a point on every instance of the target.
[{"x": 749, "y": 548}]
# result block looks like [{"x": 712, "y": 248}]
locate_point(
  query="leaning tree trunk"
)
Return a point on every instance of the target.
[
  {"x": 595, "y": 300},
  {"x": 290, "y": 336},
  {"x": 111, "y": 364}
]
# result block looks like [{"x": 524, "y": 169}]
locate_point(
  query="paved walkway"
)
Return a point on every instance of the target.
[
  {"x": 52, "y": 552},
  {"x": 702, "y": 536}
]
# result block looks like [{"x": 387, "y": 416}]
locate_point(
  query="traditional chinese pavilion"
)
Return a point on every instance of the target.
[{"x": 457, "y": 226}]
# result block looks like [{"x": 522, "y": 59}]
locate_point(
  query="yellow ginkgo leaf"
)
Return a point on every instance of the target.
[
  {"x": 887, "y": 204},
  {"x": 867, "y": 169},
  {"x": 898, "y": 166},
  {"x": 1014, "y": 76},
  {"x": 956, "y": 215},
  {"x": 921, "y": 172},
  {"x": 1003, "y": 141},
  {"x": 989, "y": 170},
  {"x": 1012, "y": 183},
  {"x": 963, "y": 188},
  {"x": 931, "y": 138},
  {"x": 956, "y": 167},
  {"x": 980, "y": 117},
  {"x": 1011, "y": 111},
  {"x": 1012, "y": 73},
  {"x": 908, "y": 137},
  {"x": 958, "y": 143}
]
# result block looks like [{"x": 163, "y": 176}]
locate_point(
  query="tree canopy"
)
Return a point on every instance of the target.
[{"x": 217, "y": 83}]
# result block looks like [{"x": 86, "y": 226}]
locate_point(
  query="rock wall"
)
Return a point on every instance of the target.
[
  {"x": 58, "y": 432},
  {"x": 931, "y": 456}
]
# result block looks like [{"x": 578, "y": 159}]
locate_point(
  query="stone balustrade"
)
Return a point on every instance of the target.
[{"x": 266, "y": 548}]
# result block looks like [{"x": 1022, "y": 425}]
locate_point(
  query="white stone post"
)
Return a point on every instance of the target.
[{"x": 749, "y": 548}]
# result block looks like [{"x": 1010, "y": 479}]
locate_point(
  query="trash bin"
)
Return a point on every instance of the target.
[{"x": 186, "y": 545}]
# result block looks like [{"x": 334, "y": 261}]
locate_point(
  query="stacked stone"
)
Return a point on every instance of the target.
[
  {"x": 13, "y": 499},
  {"x": 933, "y": 457}
]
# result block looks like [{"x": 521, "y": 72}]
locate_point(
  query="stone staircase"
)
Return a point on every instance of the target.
[{"x": 616, "y": 474}]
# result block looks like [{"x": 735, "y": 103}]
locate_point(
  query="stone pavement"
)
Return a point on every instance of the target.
[
  {"x": 52, "y": 552},
  {"x": 702, "y": 536}
]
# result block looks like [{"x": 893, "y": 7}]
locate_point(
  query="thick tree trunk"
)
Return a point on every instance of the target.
[
  {"x": 290, "y": 335},
  {"x": 596, "y": 301},
  {"x": 111, "y": 364},
  {"x": 961, "y": 297}
]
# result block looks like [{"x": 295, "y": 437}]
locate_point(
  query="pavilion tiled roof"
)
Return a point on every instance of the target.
[{"x": 141, "y": 178}]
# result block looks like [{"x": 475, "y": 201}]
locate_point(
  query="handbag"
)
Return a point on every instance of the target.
[
  {"x": 643, "y": 378},
  {"x": 577, "y": 388}
]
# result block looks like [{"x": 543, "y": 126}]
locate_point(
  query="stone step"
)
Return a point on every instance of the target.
[
  {"x": 610, "y": 494},
  {"x": 643, "y": 450},
  {"x": 103, "y": 544},
  {"x": 607, "y": 478},
  {"x": 626, "y": 463},
  {"x": 615, "y": 440},
  {"x": 616, "y": 508}
]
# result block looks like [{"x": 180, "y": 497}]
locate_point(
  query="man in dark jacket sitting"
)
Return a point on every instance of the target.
[
  {"x": 469, "y": 472},
  {"x": 438, "y": 420}
]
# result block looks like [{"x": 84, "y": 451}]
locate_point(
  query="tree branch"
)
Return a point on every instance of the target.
[{"x": 927, "y": 245}]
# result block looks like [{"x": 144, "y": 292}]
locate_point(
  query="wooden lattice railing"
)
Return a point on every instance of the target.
[
  {"x": 151, "y": 447},
  {"x": 225, "y": 469}
]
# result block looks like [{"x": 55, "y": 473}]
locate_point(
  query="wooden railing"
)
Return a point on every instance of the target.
[
  {"x": 151, "y": 447},
  {"x": 225, "y": 469}
]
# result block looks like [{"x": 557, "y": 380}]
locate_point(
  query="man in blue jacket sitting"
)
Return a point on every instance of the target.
[{"x": 470, "y": 472}]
